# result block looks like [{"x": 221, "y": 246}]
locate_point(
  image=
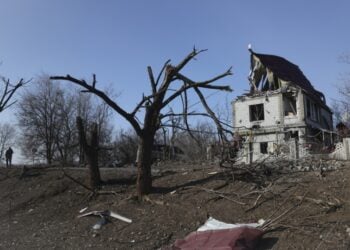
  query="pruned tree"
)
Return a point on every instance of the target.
[
  {"x": 92, "y": 111},
  {"x": 163, "y": 93}
]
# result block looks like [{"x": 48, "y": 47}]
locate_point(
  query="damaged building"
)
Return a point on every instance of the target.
[{"x": 282, "y": 113}]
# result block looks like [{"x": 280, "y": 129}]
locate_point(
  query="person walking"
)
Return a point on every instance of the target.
[{"x": 8, "y": 155}]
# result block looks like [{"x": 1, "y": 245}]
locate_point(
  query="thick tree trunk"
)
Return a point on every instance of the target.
[
  {"x": 144, "y": 175},
  {"x": 48, "y": 155}
]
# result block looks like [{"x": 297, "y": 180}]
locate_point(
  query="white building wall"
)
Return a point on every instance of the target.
[
  {"x": 253, "y": 141},
  {"x": 342, "y": 150},
  {"x": 272, "y": 111}
]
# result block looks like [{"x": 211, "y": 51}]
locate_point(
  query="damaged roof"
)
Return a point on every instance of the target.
[{"x": 288, "y": 71}]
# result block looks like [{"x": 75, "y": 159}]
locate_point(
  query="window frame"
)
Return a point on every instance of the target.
[{"x": 258, "y": 114}]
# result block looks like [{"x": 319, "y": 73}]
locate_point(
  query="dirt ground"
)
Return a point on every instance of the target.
[{"x": 39, "y": 207}]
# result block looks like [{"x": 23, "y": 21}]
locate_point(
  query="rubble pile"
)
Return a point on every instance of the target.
[{"x": 312, "y": 163}]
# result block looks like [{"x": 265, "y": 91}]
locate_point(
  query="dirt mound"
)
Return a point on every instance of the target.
[{"x": 302, "y": 210}]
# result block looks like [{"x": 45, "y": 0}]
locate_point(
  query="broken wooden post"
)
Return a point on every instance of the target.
[{"x": 90, "y": 151}]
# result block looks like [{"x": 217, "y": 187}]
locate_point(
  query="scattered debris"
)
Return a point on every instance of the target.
[
  {"x": 348, "y": 230},
  {"x": 212, "y": 173},
  {"x": 152, "y": 201},
  {"x": 119, "y": 217},
  {"x": 217, "y": 193},
  {"x": 331, "y": 206},
  {"x": 83, "y": 210},
  {"x": 103, "y": 215},
  {"x": 188, "y": 202},
  {"x": 213, "y": 224}
]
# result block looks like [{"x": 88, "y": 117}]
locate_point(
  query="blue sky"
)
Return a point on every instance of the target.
[{"x": 117, "y": 40}]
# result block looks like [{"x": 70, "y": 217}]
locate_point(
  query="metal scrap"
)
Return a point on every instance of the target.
[{"x": 104, "y": 215}]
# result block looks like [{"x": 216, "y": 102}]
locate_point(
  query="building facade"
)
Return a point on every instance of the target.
[{"x": 282, "y": 113}]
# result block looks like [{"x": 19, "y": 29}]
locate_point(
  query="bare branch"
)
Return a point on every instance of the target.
[
  {"x": 199, "y": 114},
  {"x": 188, "y": 58},
  {"x": 214, "y": 79},
  {"x": 162, "y": 70},
  {"x": 139, "y": 105},
  {"x": 8, "y": 92},
  {"x": 7, "y": 83},
  {"x": 192, "y": 84},
  {"x": 9, "y": 105},
  {"x": 93, "y": 80},
  {"x": 212, "y": 114},
  {"x": 151, "y": 78},
  {"x": 171, "y": 71},
  {"x": 185, "y": 115},
  {"x": 129, "y": 117}
]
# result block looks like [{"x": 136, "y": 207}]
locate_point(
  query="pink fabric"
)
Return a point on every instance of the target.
[{"x": 242, "y": 238}]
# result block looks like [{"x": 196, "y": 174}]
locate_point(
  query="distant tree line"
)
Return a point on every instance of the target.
[
  {"x": 47, "y": 130},
  {"x": 47, "y": 121}
]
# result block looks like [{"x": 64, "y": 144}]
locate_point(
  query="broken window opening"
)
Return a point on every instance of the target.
[
  {"x": 312, "y": 110},
  {"x": 275, "y": 84},
  {"x": 316, "y": 113},
  {"x": 256, "y": 112},
  {"x": 290, "y": 135},
  {"x": 308, "y": 108},
  {"x": 295, "y": 135},
  {"x": 263, "y": 147},
  {"x": 290, "y": 104},
  {"x": 265, "y": 83},
  {"x": 269, "y": 83},
  {"x": 325, "y": 122}
]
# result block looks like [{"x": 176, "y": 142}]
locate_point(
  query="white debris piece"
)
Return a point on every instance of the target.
[
  {"x": 119, "y": 217},
  {"x": 83, "y": 210},
  {"x": 211, "y": 173},
  {"x": 213, "y": 224},
  {"x": 106, "y": 213}
]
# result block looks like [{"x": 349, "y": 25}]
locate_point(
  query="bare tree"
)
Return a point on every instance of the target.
[
  {"x": 39, "y": 118},
  {"x": 7, "y": 135},
  {"x": 162, "y": 95},
  {"x": 47, "y": 118},
  {"x": 66, "y": 138}
]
